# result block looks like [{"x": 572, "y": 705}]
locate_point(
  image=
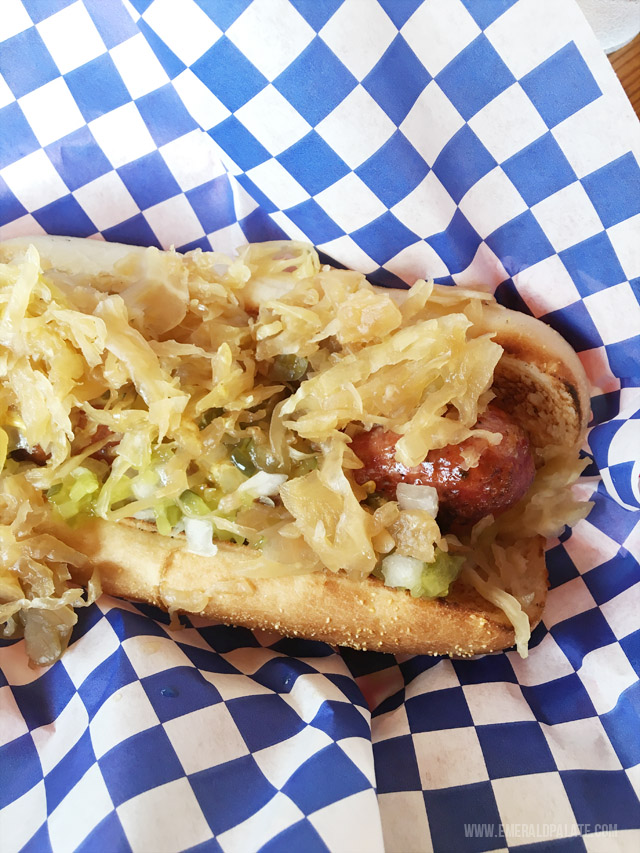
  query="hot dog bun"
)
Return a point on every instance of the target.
[{"x": 539, "y": 380}]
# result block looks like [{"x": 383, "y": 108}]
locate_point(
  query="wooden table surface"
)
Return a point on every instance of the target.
[{"x": 626, "y": 63}]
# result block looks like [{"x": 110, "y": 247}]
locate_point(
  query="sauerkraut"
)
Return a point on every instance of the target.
[{"x": 216, "y": 396}]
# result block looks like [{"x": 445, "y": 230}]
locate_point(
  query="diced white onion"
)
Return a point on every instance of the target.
[
  {"x": 413, "y": 496},
  {"x": 143, "y": 489},
  {"x": 402, "y": 571},
  {"x": 145, "y": 515},
  {"x": 263, "y": 484},
  {"x": 199, "y": 535}
]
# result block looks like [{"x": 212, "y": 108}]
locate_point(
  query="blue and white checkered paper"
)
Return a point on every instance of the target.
[{"x": 477, "y": 141}]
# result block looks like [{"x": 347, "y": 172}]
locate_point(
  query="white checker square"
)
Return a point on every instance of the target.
[
  {"x": 138, "y": 66},
  {"x": 606, "y": 673},
  {"x": 359, "y": 751},
  {"x": 250, "y": 660},
  {"x": 289, "y": 227},
  {"x": 446, "y": 761},
  {"x": 359, "y": 34},
  {"x": 392, "y": 724},
  {"x": 428, "y": 209},
  {"x": 13, "y": 724},
  {"x": 86, "y": 804},
  {"x": 228, "y": 239},
  {"x": 350, "y": 203},
  {"x": 51, "y": 111},
  {"x": 275, "y": 23},
  {"x": 631, "y": 543},
  {"x": 508, "y": 123},
  {"x": 588, "y": 546},
  {"x": 21, "y": 819},
  {"x": 56, "y": 739},
  {"x": 442, "y": 676},
  {"x": 431, "y": 122},
  {"x": 149, "y": 655},
  {"x": 405, "y": 824},
  {"x": 278, "y": 814},
  {"x": 538, "y": 799},
  {"x": 492, "y": 201},
  {"x": 272, "y": 120},
  {"x": 125, "y": 712},
  {"x": 309, "y": 693},
  {"x": 345, "y": 250},
  {"x": 90, "y": 651},
  {"x": 184, "y": 27},
  {"x": 625, "y": 239},
  {"x": 567, "y": 600},
  {"x": 485, "y": 272},
  {"x": 71, "y": 37},
  {"x": 235, "y": 685},
  {"x": 417, "y": 261},
  {"x": 34, "y": 181},
  {"x": 206, "y": 109},
  {"x": 546, "y": 286},
  {"x": 545, "y": 663},
  {"x": 280, "y": 761},
  {"x": 581, "y": 745},
  {"x": 6, "y": 95},
  {"x": 438, "y": 31},
  {"x": 106, "y": 201},
  {"x": 122, "y": 135},
  {"x": 205, "y": 738},
  {"x": 567, "y": 217},
  {"x": 14, "y": 19},
  {"x": 356, "y": 128},
  {"x": 497, "y": 702},
  {"x": 524, "y": 36},
  {"x": 615, "y": 312},
  {"x": 598, "y": 370},
  {"x": 378, "y": 686},
  {"x": 166, "y": 819},
  {"x": 352, "y": 824},
  {"x": 243, "y": 204},
  {"x": 192, "y": 159},
  {"x": 174, "y": 222}
]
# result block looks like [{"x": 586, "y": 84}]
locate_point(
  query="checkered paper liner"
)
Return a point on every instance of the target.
[{"x": 471, "y": 140}]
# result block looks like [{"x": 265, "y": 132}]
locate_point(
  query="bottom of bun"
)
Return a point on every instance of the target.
[{"x": 138, "y": 564}]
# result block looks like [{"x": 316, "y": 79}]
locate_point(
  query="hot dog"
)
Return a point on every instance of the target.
[{"x": 276, "y": 444}]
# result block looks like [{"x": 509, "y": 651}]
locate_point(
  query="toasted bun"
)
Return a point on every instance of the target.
[{"x": 539, "y": 380}]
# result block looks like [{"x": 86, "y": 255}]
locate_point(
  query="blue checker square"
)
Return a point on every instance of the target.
[
  {"x": 575, "y": 325},
  {"x": 207, "y": 659},
  {"x": 539, "y": 170},
  {"x": 602, "y": 796},
  {"x": 40, "y": 842},
  {"x": 165, "y": 56},
  {"x": 229, "y": 74},
  {"x": 23, "y": 76},
  {"x": 259, "y": 226},
  {"x": 313, "y": 163},
  {"x": 280, "y": 674},
  {"x": 438, "y": 709},
  {"x": 631, "y": 648},
  {"x": 71, "y": 767},
  {"x": 593, "y": 264},
  {"x": 317, "y": 14},
  {"x": 112, "y": 21},
  {"x": 396, "y": 765},
  {"x": 573, "y": 844},
  {"x": 128, "y": 624},
  {"x": 65, "y": 216},
  {"x": 397, "y": 80},
  {"x": 16, "y": 139},
  {"x": 264, "y": 720},
  {"x": 621, "y": 726},
  {"x": 615, "y": 576},
  {"x": 300, "y": 836},
  {"x": 510, "y": 747},
  {"x": 112, "y": 674},
  {"x": 462, "y": 162},
  {"x": 392, "y": 185},
  {"x": 149, "y": 180},
  {"x": 450, "y": 809},
  {"x": 475, "y": 77},
  {"x": 230, "y": 793},
  {"x": 457, "y": 244},
  {"x": 202, "y": 243},
  {"x": 316, "y": 224},
  {"x": 165, "y": 115},
  {"x": 10, "y": 207},
  {"x": 316, "y": 82},
  {"x": 488, "y": 668},
  {"x": 222, "y": 12},
  {"x": 559, "y": 701},
  {"x": 340, "y": 720},
  {"x": 484, "y": 13},
  {"x": 384, "y": 238},
  {"x": 97, "y": 87},
  {"x": 520, "y": 243},
  {"x": 126, "y": 768},
  {"x": 78, "y": 158},
  {"x": 622, "y": 475},
  {"x": 243, "y": 148},
  {"x": 40, "y": 9},
  {"x": 177, "y": 691},
  {"x": 624, "y": 358},
  {"x": 560, "y": 566},
  {"x": 609, "y": 515},
  {"x": 107, "y": 835},
  {"x": 213, "y": 203},
  {"x": 256, "y": 194},
  {"x": 561, "y": 85},
  {"x": 135, "y": 231},
  {"x": 20, "y": 769},
  {"x": 329, "y": 763},
  {"x": 614, "y": 190},
  {"x": 43, "y": 700}
]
